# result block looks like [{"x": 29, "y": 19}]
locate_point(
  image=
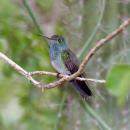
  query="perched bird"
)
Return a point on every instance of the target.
[{"x": 66, "y": 62}]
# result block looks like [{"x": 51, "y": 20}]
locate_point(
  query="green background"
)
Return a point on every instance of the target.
[{"x": 82, "y": 23}]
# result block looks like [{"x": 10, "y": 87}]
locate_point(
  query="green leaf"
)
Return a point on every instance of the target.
[{"x": 118, "y": 81}]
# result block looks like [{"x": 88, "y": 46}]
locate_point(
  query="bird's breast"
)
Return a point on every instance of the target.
[{"x": 57, "y": 62}]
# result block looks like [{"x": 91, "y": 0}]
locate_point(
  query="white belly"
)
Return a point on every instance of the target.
[{"x": 59, "y": 66}]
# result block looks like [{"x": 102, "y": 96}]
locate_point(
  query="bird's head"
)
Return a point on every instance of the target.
[{"x": 57, "y": 40}]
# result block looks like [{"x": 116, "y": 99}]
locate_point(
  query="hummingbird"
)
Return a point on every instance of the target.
[{"x": 65, "y": 62}]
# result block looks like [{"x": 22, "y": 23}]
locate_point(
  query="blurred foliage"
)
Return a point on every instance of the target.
[
  {"x": 82, "y": 22},
  {"x": 45, "y": 5},
  {"x": 118, "y": 81}
]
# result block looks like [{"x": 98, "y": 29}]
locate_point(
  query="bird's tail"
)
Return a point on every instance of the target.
[{"x": 82, "y": 88}]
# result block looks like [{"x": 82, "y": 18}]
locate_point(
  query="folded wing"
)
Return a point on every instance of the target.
[{"x": 72, "y": 64}]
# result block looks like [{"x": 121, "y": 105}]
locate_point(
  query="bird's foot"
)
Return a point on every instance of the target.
[{"x": 58, "y": 75}]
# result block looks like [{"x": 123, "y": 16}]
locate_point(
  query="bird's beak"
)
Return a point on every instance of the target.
[{"x": 46, "y": 37}]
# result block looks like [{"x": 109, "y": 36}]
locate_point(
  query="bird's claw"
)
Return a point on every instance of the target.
[{"x": 58, "y": 75}]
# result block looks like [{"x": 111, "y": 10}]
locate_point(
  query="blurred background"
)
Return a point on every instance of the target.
[{"x": 82, "y": 23}]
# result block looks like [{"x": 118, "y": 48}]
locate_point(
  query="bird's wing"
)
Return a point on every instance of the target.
[
  {"x": 70, "y": 60},
  {"x": 72, "y": 64}
]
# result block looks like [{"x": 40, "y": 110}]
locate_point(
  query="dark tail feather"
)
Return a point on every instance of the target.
[{"x": 82, "y": 88}]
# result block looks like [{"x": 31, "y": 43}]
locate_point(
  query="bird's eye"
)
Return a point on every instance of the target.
[{"x": 59, "y": 40}]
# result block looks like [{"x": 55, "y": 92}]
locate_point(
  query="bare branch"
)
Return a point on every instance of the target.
[
  {"x": 99, "y": 44},
  {"x": 62, "y": 75},
  {"x": 28, "y": 75},
  {"x": 19, "y": 69}
]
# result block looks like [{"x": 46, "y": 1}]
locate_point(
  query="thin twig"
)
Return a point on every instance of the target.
[
  {"x": 104, "y": 124},
  {"x": 62, "y": 75},
  {"x": 25, "y": 3},
  {"x": 95, "y": 30},
  {"x": 28, "y": 75},
  {"x": 19, "y": 69}
]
